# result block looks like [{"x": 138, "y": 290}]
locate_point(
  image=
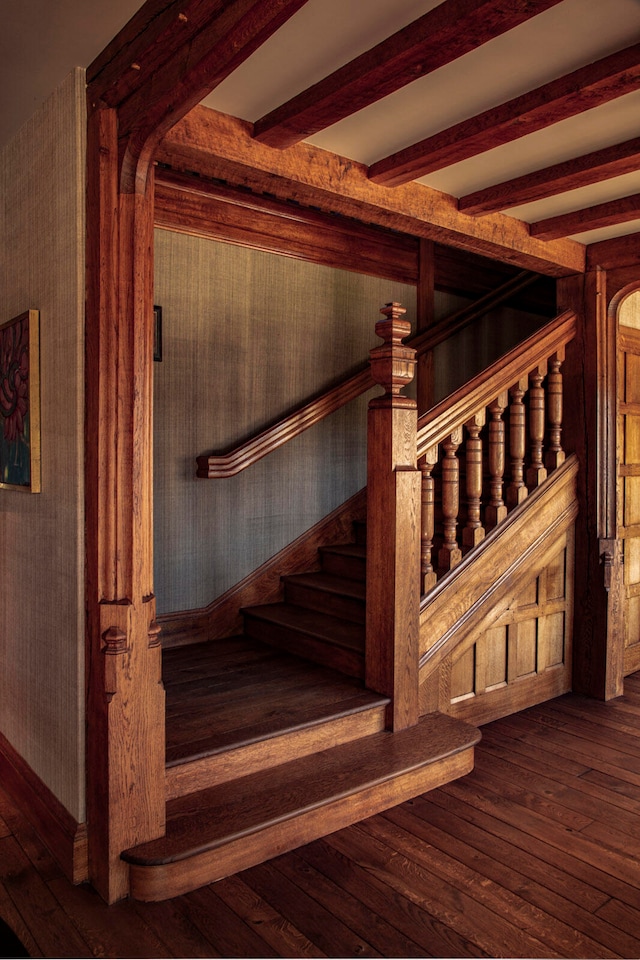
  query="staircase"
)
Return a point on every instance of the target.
[
  {"x": 268, "y": 748},
  {"x": 272, "y": 738}
]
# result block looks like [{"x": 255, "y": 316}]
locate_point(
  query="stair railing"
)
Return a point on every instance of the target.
[
  {"x": 403, "y": 456},
  {"x": 501, "y": 418},
  {"x": 232, "y": 462}
]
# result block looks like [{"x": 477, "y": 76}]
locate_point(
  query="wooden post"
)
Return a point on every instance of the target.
[
  {"x": 428, "y": 575},
  {"x": 125, "y": 698},
  {"x": 496, "y": 508},
  {"x": 537, "y": 473},
  {"x": 554, "y": 456},
  {"x": 450, "y": 554},
  {"x": 517, "y": 491},
  {"x": 393, "y": 526},
  {"x": 473, "y": 533}
]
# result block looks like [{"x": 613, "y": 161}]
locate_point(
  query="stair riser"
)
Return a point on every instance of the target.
[
  {"x": 185, "y": 778},
  {"x": 303, "y": 645},
  {"x": 162, "y": 881},
  {"x": 353, "y": 568},
  {"x": 338, "y": 605}
]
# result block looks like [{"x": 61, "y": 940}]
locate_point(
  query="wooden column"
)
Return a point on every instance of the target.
[
  {"x": 125, "y": 697},
  {"x": 393, "y": 526},
  {"x": 589, "y": 426}
]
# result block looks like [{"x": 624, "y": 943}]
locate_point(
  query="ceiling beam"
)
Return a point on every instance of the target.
[
  {"x": 170, "y": 55},
  {"x": 428, "y": 43},
  {"x": 589, "y": 218},
  {"x": 586, "y": 88},
  {"x": 615, "y": 253},
  {"x": 614, "y": 161},
  {"x": 216, "y": 145}
]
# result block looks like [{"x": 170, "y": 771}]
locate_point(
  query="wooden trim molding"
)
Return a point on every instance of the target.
[
  {"x": 219, "y": 146},
  {"x": 65, "y": 837}
]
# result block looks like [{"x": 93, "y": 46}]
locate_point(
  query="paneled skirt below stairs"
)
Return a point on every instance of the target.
[{"x": 267, "y": 751}]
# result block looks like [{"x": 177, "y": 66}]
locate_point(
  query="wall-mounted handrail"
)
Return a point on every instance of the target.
[{"x": 234, "y": 461}]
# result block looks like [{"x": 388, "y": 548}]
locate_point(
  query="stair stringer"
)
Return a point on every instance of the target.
[{"x": 476, "y": 593}]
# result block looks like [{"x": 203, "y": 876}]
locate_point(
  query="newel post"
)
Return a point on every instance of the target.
[{"x": 393, "y": 526}]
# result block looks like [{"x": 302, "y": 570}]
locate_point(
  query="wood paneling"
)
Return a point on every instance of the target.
[
  {"x": 629, "y": 488},
  {"x": 524, "y": 655}
]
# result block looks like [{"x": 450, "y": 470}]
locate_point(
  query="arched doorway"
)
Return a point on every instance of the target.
[{"x": 628, "y": 471}]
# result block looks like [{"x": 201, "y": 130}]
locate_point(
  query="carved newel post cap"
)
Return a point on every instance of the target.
[{"x": 393, "y": 364}]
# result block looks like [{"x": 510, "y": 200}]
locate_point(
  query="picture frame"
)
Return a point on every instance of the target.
[
  {"x": 20, "y": 465},
  {"x": 157, "y": 333}
]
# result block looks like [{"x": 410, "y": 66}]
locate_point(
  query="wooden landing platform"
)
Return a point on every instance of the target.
[{"x": 216, "y": 832}]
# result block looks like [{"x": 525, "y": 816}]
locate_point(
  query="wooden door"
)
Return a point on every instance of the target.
[{"x": 628, "y": 506}]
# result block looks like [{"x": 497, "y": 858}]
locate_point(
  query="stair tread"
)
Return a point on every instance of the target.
[
  {"x": 347, "y": 549},
  {"x": 277, "y": 724},
  {"x": 320, "y": 580},
  {"x": 217, "y": 815},
  {"x": 323, "y": 626}
]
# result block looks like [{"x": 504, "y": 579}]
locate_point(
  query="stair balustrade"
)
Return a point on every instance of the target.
[{"x": 482, "y": 450}]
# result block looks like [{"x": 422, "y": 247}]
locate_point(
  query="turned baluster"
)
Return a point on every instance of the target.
[
  {"x": 555, "y": 454},
  {"x": 428, "y": 576},
  {"x": 496, "y": 508},
  {"x": 473, "y": 532},
  {"x": 517, "y": 491},
  {"x": 450, "y": 553},
  {"x": 537, "y": 472}
]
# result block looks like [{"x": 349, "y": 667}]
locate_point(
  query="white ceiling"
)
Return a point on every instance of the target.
[{"x": 42, "y": 40}]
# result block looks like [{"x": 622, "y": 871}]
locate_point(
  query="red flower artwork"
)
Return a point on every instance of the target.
[{"x": 14, "y": 378}]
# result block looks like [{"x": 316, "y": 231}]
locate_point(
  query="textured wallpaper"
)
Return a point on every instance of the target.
[
  {"x": 41, "y": 535},
  {"x": 247, "y": 335}
]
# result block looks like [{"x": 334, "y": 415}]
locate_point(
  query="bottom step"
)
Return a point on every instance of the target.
[{"x": 227, "y": 828}]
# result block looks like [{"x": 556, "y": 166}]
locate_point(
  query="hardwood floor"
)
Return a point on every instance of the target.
[{"x": 534, "y": 854}]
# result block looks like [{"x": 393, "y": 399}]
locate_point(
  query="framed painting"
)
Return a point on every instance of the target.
[{"x": 20, "y": 402}]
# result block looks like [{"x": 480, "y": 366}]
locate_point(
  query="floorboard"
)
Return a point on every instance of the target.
[{"x": 534, "y": 854}]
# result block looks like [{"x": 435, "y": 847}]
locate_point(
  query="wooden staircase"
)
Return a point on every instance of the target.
[{"x": 267, "y": 750}]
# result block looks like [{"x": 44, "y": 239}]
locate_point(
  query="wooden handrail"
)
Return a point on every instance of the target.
[
  {"x": 439, "y": 422},
  {"x": 220, "y": 465}
]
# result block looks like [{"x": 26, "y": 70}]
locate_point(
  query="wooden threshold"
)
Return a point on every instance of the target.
[{"x": 216, "y": 832}]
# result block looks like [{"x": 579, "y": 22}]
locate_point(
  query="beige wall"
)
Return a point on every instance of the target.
[
  {"x": 247, "y": 335},
  {"x": 41, "y": 535}
]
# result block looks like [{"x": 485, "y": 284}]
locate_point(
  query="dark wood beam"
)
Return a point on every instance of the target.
[
  {"x": 589, "y": 218},
  {"x": 614, "y": 161},
  {"x": 217, "y": 145},
  {"x": 586, "y": 88},
  {"x": 618, "y": 252},
  {"x": 428, "y": 43},
  {"x": 172, "y": 54}
]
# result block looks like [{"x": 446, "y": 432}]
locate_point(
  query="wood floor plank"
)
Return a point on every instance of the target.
[
  {"x": 14, "y": 919},
  {"x": 252, "y": 909},
  {"x": 382, "y": 936},
  {"x": 317, "y": 923},
  {"x": 493, "y": 893},
  {"x": 521, "y": 873},
  {"x": 612, "y": 872},
  {"x": 55, "y": 934},
  {"x": 116, "y": 931},
  {"x": 436, "y": 938},
  {"x": 223, "y": 928},
  {"x": 471, "y": 920}
]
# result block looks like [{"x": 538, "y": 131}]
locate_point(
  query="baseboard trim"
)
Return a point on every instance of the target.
[
  {"x": 222, "y": 618},
  {"x": 65, "y": 838}
]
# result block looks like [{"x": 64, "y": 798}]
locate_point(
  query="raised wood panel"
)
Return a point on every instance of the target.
[
  {"x": 628, "y": 484},
  {"x": 525, "y": 656}
]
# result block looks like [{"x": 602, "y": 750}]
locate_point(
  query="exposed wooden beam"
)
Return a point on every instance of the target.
[
  {"x": 618, "y": 252},
  {"x": 217, "y": 145},
  {"x": 428, "y": 43},
  {"x": 590, "y": 86},
  {"x": 589, "y": 218},
  {"x": 614, "y": 161},
  {"x": 171, "y": 55}
]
